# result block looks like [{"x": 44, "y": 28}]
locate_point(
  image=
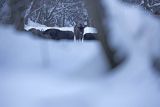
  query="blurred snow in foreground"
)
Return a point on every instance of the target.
[
  {"x": 20, "y": 50},
  {"x": 38, "y": 73}
]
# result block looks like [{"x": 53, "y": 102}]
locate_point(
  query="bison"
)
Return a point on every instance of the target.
[
  {"x": 78, "y": 31},
  {"x": 58, "y": 34},
  {"x": 39, "y": 33},
  {"x": 90, "y": 36}
]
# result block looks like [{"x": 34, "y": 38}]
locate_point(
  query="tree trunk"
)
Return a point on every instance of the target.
[
  {"x": 17, "y": 8},
  {"x": 97, "y": 12}
]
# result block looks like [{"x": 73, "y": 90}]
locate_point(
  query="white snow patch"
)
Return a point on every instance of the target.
[
  {"x": 32, "y": 24},
  {"x": 41, "y": 27},
  {"x": 90, "y": 30}
]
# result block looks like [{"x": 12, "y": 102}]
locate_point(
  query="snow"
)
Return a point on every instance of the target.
[
  {"x": 39, "y": 73},
  {"x": 41, "y": 27},
  {"x": 90, "y": 30},
  {"x": 13, "y": 52},
  {"x": 32, "y": 24},
  {"x": 142, "y": 29},
  {"x": 33, "y": 72},
  {"x": 136, "y": 34}
]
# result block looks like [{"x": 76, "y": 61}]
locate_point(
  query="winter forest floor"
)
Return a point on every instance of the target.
[{"x": 46, "y": 73}]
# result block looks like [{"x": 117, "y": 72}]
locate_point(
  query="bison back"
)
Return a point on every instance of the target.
[
  {"x": 90, "y": 36},
  {"x": 66, "y": 35}
]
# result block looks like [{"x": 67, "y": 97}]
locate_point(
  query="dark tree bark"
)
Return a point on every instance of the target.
[
  {"x": 97, "y": 12},
  {"x": 17, "y": 8}
]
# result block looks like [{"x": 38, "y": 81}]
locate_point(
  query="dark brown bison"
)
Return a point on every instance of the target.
[
  {"x": 90, "y": 36},
  {"x": 78, "y": 31},
  {"x": 39, "y": 33},
  {"x": 58, "y": 34}
]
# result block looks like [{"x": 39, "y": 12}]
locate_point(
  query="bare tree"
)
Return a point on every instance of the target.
[
  {"x": 4, "y": 12},
  {"x": 58, "y": 12},
  {"x": 17, "y": 9},
  {"x": 150, "y": 5}
]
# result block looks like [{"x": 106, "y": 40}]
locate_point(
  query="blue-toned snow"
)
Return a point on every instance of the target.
[{"x": 39, "y": 73}]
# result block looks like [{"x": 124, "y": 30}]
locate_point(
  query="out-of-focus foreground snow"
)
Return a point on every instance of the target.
[{"x": 38, "y": 73}]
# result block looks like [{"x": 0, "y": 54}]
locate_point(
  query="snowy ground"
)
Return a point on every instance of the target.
[
  {"x": 23, "y": 50},
  {"x": 38, "y": 73}
]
